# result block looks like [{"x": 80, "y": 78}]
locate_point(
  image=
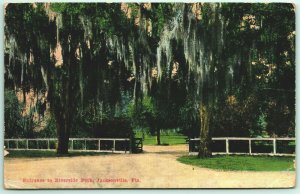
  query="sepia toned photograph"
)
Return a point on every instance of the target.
[{"x": 149, "y": 95}]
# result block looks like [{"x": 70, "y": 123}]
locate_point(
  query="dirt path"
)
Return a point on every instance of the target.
[{"x": 155, "y": 168}]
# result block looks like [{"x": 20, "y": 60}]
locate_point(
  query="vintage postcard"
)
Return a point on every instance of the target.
[{"x": 149, "y": 95}]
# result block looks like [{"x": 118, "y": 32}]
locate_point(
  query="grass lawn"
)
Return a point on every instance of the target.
[
  {"x": 165, "y": 140},
  {"x": 46, "y": 154},
  {"x": 242, "y": 163}
]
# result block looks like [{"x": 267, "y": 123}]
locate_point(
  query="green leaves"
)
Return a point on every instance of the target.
[
  {"x": 160, "y": 14},
  {"x": 232, "y": 49}
]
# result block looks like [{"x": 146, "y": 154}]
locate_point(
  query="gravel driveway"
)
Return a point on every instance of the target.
[{"x": 155, "y": 168}]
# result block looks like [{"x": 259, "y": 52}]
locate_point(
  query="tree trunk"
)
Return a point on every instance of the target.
[
  {"x": 63, "y": 136},
  {"x": 63, "y": 143},
  {"x": 62, "y": 98},
  {"x": 65, "y": 106},
  {"x": 205, "y": 137},
  {"x": 158, "y": 135}
]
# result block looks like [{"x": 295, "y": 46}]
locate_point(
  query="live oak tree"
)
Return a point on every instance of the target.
[
  {"x": 36, "y": 32},
  {"x": 181, "y": 55}
]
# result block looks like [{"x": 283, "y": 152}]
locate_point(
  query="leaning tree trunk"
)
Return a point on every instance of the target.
[{"x": 205, "y": 138}]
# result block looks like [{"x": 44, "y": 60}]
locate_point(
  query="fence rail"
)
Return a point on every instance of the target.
[
  {"x": 274, "y": 152},
  {"x": 114, "y": 145}
]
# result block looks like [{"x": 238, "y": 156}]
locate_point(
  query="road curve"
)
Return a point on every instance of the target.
[{"x": 155, "y": 168}]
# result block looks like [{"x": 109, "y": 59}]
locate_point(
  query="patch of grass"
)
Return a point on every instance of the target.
[
  {"x": 242, "y": 163},
  {"x": 47, "y": 154},
  {"x": 165, "y": 140}
]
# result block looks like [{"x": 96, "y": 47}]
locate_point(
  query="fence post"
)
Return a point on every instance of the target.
[
  {"x": 99, "y": 144},
  {"x": 274, "y": 146},
  {"x": 48, "y": 144},
  {"x": 85, "y": 144},
  {"x": 250, "y": 149},
  {"x": 227, "y": 146},
  {"x": 17, "y": 144},
  {"x": 114, "y": 146},
  {"x": 72, "y": 145},
  {"x": 26, "y": 144},
  {"x": 7, "y": 144},
  {"x": 37, "y": 144},
  {"x": 125, "y": 146}
]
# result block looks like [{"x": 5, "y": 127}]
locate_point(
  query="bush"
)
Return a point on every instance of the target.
[
  {"x": 12, "y": 115},
  {"x": 16, "y": 125},
  {"x": 236, "y": 117},
  {"x": 190, "y": 120},
  {"x": 49, "y": 131},
  {"x": 116, "y": 127}
]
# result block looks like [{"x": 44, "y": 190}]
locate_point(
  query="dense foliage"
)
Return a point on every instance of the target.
[{"x": 208, "y": 68}]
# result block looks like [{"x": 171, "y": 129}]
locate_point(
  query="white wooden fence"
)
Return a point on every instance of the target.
[
  {"x": 249, "y": 140},
  {"x": 111, "y": 147}
]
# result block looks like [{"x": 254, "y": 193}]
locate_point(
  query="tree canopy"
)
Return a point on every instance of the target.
[{"x": 209, "y": 68}]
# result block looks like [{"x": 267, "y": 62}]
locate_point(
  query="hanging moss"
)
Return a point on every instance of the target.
[{"x": 206, "y": 51}]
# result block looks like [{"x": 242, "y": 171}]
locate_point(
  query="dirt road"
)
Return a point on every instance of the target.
[{"x": 155, "y": 168}]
